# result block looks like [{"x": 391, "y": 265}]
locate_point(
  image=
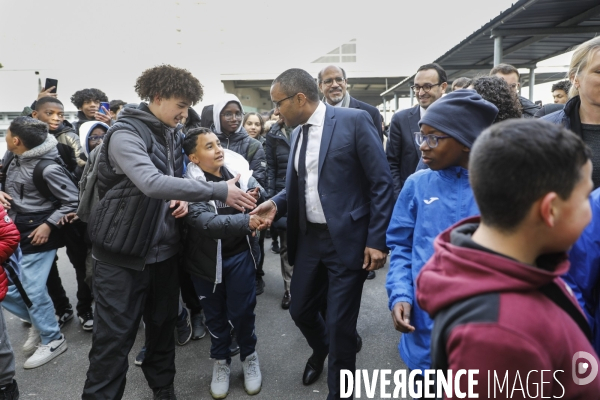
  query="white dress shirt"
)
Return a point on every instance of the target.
[{"x": 314, "y": 209}]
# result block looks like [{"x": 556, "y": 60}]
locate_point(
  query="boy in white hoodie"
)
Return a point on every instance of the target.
[{"x": 221, "y": 255}]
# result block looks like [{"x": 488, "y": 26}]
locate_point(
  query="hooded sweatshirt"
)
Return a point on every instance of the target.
[
  {"x": 240, "y": 142},
  {"x": 490, "y": 315},
  {"x": 88, "y": 193}
]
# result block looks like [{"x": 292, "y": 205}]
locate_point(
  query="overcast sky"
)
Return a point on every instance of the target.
[{"x": 107, "y": 44}]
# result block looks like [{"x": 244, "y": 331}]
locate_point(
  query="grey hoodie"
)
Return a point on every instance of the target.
[
  {"x": 25, "y": 197},
  {"x": 128, "y": 155}
]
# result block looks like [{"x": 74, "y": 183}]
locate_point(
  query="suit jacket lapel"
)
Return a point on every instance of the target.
[
  {"x": 413, "y": 122},
  {"x": 328, "y": 125}
]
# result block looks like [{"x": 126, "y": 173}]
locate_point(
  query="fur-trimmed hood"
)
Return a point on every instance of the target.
[{"x": 44, "y": 150}]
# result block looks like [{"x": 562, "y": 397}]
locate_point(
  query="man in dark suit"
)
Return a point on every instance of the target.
[
  {"x": 403, "y": 153},
  {"x": 338, "y": 199},
  {"x": 334, "y": 86}
]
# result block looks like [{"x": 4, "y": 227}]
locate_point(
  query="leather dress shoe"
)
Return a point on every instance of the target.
[
  {"x": 371, "y": 275},
  {"x": 314, "y": 367},
  {"x": 285, "y": 302},
  {"x": 358, "y": 342}
]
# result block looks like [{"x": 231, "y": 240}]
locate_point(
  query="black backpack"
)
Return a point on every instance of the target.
[{"x": 64, "y": 153}]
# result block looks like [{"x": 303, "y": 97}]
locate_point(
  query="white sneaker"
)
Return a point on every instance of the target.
[
  {"x": 33, "y": 339},
  {"x": 219, "y": 386},
  {"x": 46, "y": 353},
  {"x": 252, "y": 375}
]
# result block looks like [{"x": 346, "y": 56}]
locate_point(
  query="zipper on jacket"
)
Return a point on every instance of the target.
[
  {"x": 115, "y": 221},
  {"x": 22, "y": 190}
]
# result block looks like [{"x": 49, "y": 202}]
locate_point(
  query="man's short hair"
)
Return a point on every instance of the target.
[
  {"x": 84, "y": 95},
  {"x": 31, "y": 131},
  {"x": 296, "y": 80},
  {"x": 320, "y": 75},
  {"x": 443, "y": 77},
  {"x": 44, "y": 100},
  {"x": 463, "y": 82},
  {"x": 562, "y": 85},
  {"x": 114, "y": 105},
  {"x": 166, "y": 81},
  {"x": 505, "y": 69},
  {"x": 516, "y": 162},
  {"x": 191, "y": 137}
]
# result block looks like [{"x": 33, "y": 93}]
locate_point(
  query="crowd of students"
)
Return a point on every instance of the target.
[{"x": 154, "y": 200}]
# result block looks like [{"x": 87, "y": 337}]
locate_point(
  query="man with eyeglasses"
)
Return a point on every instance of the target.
[
  {"x": 403, "y": 154},
  {"x": 338, "y": 198},
  {"x": 511, "y": 75},
  {"x": 334, "y": 86}
]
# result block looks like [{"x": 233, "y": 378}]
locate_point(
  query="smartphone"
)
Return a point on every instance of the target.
[
  {"x": 51, "y": 82},
  {"x": 105, "y": 105}
]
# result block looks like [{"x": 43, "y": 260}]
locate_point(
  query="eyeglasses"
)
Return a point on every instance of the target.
[
  {"x": 426, "y": 87},
  {"x": 230, "y": 116},
  {"x": 431, "y": 140},
  {"x": 95, "y": 138},
  {"x": 329, "y": 82},
  {"x": 277, "y": 104}
]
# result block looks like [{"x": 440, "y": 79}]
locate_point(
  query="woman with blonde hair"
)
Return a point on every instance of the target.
[{"x": 582, "y": 112}]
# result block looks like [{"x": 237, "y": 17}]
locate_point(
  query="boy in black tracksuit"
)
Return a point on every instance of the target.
[{"x": 221, "y": 256}]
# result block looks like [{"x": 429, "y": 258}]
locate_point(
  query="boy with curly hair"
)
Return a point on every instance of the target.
[
  {"x": 88, "y": 102},
  {"x": 134, "y": 231}
]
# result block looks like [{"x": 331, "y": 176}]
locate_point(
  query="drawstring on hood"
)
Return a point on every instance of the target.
[
  {"x": 84, "y": 132},
  {"x": 219, "y": 106}
]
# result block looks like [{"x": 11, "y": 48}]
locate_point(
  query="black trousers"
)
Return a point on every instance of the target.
[
  {"x": 77, "y": 253},
  {"x": 188, "y": 292},
  {"x": 122, "y": 295},
  {"x": 319, "y": 276}
]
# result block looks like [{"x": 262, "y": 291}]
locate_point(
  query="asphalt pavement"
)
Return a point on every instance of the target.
[{"x": 282, "y": 350}]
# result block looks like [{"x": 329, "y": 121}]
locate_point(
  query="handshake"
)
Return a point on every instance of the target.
[{"x": 262, "y": 216}]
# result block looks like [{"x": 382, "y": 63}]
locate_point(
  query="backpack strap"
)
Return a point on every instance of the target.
[
  {"x": 40, "y": 183},
  {"x": 9, "y": 157},
  {"x": 558, "y": 297},
  {"x": 139, "y": 127}
]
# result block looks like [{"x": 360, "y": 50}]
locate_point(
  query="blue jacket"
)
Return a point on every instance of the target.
[
  {"x": 584, "y": 275},
  {"x": 429, "y": 203}
]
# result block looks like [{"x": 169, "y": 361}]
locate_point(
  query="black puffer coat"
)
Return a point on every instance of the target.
[
  {"x": 277, "y": 149},
  {"x": 250, "y": 148}
]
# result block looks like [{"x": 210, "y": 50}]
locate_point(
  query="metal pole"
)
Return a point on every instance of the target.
[
  {"x": 412, "y": 97},
  {"x": 497, "y": 50},
  {"x": 384, "y": 109},
  {"x": 395, "y": 102},
  {"x": 531, "y": 82}
]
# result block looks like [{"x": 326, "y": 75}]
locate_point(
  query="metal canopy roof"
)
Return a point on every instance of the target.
[
  {"x": 363, "y": 89},
  {"x": 531, "y": 31}
]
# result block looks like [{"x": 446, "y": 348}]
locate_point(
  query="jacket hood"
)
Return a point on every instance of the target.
[
  {"x": 84, "y": 132},
  {"x": 48, "y": 149},
  {"x": 144, "y": 114},
  {"x": 456, "y": 272},
  {"x": 235, "y": 163},
  {"x": 219, "y": 106},
  {"x": 193, "y": 119}
]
